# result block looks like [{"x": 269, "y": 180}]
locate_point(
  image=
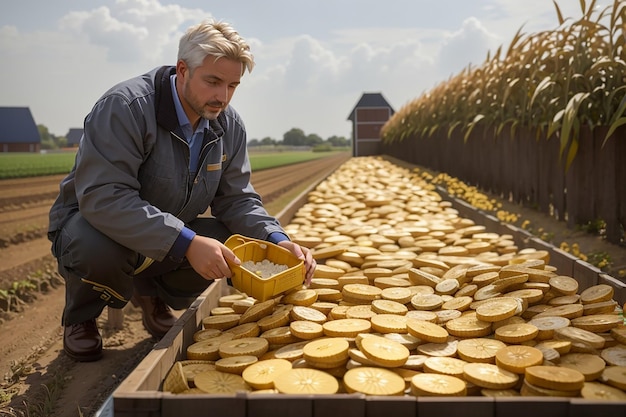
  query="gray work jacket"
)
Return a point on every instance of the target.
[{"x": 131, "y": 179}]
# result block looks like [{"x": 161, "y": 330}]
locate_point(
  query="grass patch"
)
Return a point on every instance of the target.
[
  {"x": 260, "y": 161},
  {"x": 21, "y": 165}
]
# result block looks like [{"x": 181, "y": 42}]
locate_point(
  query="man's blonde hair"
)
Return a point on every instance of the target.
[{"x": 217, "y": 39}]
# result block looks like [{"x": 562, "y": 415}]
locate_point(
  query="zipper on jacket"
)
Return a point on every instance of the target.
[
  {"x": 195, "y": 180},
  {"x": 187, "y": 191},
  {"x": 206, "y": 145}
]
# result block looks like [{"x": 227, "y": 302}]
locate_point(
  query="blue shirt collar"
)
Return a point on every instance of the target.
[{"x": 183, "y": 120}]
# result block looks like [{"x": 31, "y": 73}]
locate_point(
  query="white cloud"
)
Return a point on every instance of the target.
[
  {"x": 467, "y": 46},
  {"x": 307, "y": 75}
]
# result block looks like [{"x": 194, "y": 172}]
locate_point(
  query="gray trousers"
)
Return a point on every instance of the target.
[{"x": 100, "y": 272}]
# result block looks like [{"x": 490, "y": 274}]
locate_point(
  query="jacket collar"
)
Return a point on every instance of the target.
[{"x": 164, "y": 104}]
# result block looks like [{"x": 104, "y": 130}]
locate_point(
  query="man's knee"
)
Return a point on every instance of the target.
[{"x": 88, "y": 252}]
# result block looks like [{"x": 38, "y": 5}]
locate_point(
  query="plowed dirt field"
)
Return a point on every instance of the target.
[{"x": 38, "y": 376}]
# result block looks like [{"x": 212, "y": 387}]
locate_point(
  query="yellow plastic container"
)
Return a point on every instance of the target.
[{"x": 249, "y": 249}]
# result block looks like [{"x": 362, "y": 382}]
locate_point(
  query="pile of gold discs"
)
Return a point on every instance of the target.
[{"x": 410, "y": 299}]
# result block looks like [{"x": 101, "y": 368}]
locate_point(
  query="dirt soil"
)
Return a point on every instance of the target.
[{"x": 39, "y": 379}]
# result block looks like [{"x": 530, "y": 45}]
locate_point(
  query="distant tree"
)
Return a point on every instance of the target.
[
  {"x": 339, "y": 141},
  {"x": 47, "y": 138},
  {"x": 253, "y": 142},
  {"x": 268, "y": 141},
  {"x": 295, "y": 137},
  {"x": 313, "y": 139}
]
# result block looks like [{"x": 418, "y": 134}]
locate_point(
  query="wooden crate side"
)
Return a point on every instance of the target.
[
  {"x": 139, "y": 393},
  {"x": 454, "y": 406},
  {"x": 531, "y": 406},
  {"x": 269, "y": 405},
  {"x": 390, "y": 406},
  {"x": 177, "y": 405},
  {"x": 618, "y": 286},
  {"x": 352, "y": 405}
]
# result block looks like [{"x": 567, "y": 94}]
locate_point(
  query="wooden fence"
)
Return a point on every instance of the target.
[{"x": 530, "y": 171}]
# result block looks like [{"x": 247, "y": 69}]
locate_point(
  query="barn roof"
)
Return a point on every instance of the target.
[
  {"x": 371, "y": 100},
  {"x": 74, "y": 135},
  {"x": 18, "y": 126}
]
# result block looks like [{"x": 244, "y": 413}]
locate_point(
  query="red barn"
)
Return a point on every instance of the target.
[{"x": 368, "y": 117}]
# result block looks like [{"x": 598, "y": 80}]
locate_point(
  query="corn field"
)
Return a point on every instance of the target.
[{"x": 554, "y": 98}]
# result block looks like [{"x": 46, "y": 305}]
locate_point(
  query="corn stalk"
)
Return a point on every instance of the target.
[{"x": 553, "y": 82}]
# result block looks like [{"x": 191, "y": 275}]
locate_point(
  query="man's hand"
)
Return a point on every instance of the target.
[
  {"x": 208, "y": 258},
  {"x": 301, "y": 253}
]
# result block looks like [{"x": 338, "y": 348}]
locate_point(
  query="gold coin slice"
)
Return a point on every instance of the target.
[
  {"x": 307, "y": 314},
  {"x": 445, "y": 365},
  {"x": 389, "y": 323},
  {"x": 235, "y": 364},
  {"x": 175, "y": 381},
  {"x": 487, "y": 375},
  {"x": 306, "y": 381},
  {"x": 598, "y": 323},
  {"x": 250, "y": 329},
  {"x": 304, "y": 297},
  {"x": 279, "y": 318},
  {"x": 555, "y": 377},
  {"x": 361, "y": 292},
  {"x": 373, "y": 381},
  {"x": 401, "y": 295},
  {"x": 590, "y": 365},
  {"x": 482, "y": 350},
  {"x": 427, "y": 331},
  {"x": 468, "y": 326},
  {"x": 383, "y": 351},
  {"x": 261, "y": 374},
  {"x": 603, "y": 392},
  {"x": 426, "y": 302},
  {"x": 388, "y": 307},
  {"x": 516, "y": 333},
  {"x": 346, "y": 327},
  {"x": 597, "y": 293},
  {"x": 216, "y": 382},
  {"x": 257, "y": 311},
  {"x": 255, "y": 346},
  {"x": 437, "y": 385},
  {"x": 615, "y": 376},
  {"x": 614, "y": 355},
  {"x": 449, "y": 348},
  {"x": 221, "y": 322},
  {"x": 547, "y": 325},
  {"x": 517, "y": 358},
  {"x": 204, "y": 334},
  {"x": 497, "y": 309},
  {"x": 207, "y": 349},
  {"x": 564, "y": 285},
  {"x": 580, "y": 337},
  {"x": 306, "y": 330},
  {"x": 329, "y": 351},
  {"x": 291, "y": 352}
]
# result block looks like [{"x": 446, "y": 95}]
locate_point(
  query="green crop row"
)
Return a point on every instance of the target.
[{"x": 19, "y": 165}]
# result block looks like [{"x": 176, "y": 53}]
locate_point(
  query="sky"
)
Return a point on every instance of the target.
[{"x": 314, "y": 59}]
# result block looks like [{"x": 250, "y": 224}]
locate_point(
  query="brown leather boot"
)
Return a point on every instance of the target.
[
  {"x": 157, "y": 316},
  {"x": 82, "y": 341}
]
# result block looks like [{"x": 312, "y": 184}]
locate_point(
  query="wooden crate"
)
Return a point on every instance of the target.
[{"x": 139, "y": 394}]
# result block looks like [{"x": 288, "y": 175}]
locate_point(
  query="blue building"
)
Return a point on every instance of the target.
[{"x": 18, "y": 131}]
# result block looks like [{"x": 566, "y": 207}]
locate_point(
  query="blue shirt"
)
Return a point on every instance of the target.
[{"x": 194, "y": 139}]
